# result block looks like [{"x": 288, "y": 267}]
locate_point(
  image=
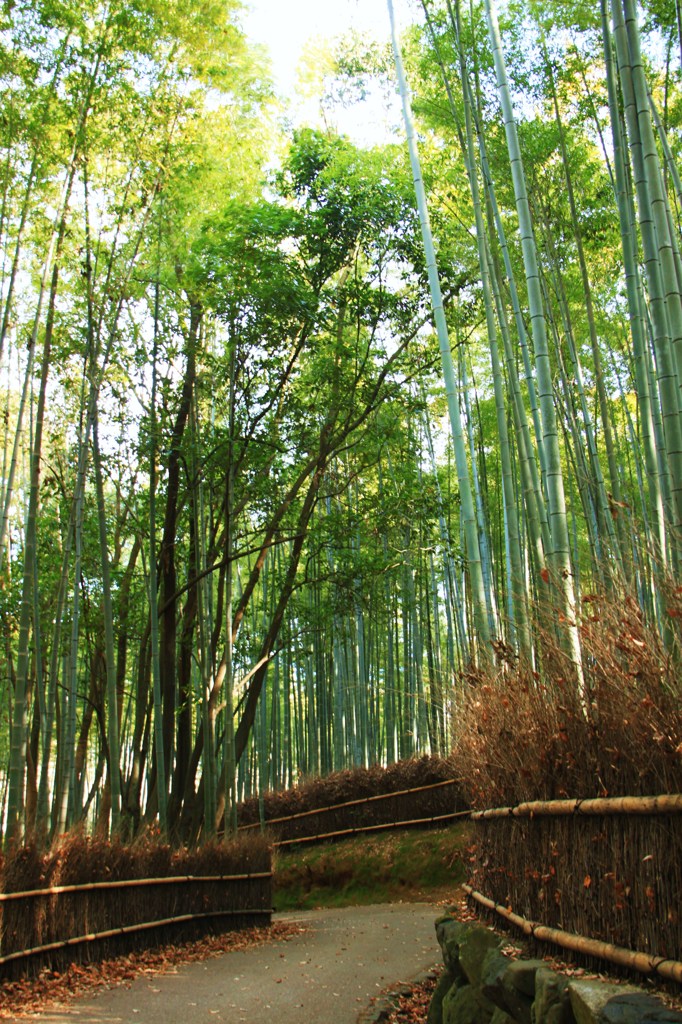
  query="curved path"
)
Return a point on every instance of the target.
[{"x": 329, "y": 974}]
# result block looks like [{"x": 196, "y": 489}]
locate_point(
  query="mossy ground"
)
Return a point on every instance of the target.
[{"x": 406, "y": 864}]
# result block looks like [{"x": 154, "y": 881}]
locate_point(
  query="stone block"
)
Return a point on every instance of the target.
[
  {"x": 461, "y": 1006},
  {"x": 445, "y": 983},
  {"x": 552, "y": 1004},
  {"x": 501, "y": 1017},
  {"x": 450, "y": 933},
  {"x": 464, "y": 946},
  {"x": 492, "y": 971},
  {"x": 519, "y": 1005},
  {"x": 521, "y": 974},
  {"x": 598, "y": 1002},
  {"x": 473, "y": 949}
]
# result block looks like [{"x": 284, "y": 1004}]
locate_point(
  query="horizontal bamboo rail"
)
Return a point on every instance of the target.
[
  {"x": 349, "y": 803},
  {"x": 669, "y": 803},
  {"x": 372, "y": 828},
  {"x": 645, "y": 963},
  {"x": 129, "y": 929},
  {"x": 130, "y": 883}
]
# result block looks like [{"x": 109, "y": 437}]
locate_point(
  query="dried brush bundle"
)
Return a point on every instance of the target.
[{"x": 527, "y": 733}]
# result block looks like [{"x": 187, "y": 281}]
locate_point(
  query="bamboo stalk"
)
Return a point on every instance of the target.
[
  {"x": 452, "y": 386},
  {"x": 129, "y": 929},
  {"x": 645, "y": 963},
  {"x": 668, "y": 803},
  {"x": 372, "y": 828},
  {"x": 132, "y": 883},
  {"x": 350, "y": 803}
]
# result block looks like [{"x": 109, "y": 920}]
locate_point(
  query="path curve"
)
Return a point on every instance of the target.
[{"x": 329, "y": 974}]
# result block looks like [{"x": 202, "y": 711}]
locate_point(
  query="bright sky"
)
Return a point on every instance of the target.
[{"x": 286, "y": 26}]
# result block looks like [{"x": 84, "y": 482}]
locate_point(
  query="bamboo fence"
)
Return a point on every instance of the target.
[
  {"x": 59, "y": 923},
  {"x": 671, "y": 970},
  {"x": 358, "y": 830},
  {"x": 609, "y": 868},
  {"x": 423, "y": 806}
]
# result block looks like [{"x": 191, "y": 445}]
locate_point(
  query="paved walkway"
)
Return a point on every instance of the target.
[{"x": 327, "y": 975}]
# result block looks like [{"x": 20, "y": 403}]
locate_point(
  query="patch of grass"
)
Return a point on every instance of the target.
[{"x": 405, "y": 865}]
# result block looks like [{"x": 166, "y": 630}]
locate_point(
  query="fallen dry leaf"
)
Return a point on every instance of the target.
[
  {"x": 412, "y": 1007},
  {"x": 21, "y": 1000}
]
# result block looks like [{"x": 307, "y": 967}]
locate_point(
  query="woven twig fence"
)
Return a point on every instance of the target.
[
  {"x": 65, "y": 922},
  {"x": 343, "y": 833},
  {"x": 436, "y": 803},
  {"x": 86, "y": 898},
  {"x": 609, "y": 869},
  {"x": 632, "y": 960}
]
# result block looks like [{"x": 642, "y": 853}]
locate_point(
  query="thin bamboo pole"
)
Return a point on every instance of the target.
[
  {"x": 451, "y": 388},
  {"x": 668, "y": 803},
  {"x": 161, "y": 783},
  {"x": 131, "y": 883},
  {"x": 129, "y": 929},
  {"x": 614, "y": 479},
  {"x": 559, "y": 556},
  {"x": 646, "y": 399},
  {"x": 666, "y": 361},
  {"x": 352, "y": 803},
  {"x": 372, "y": 828},
  {"x": 518, "y": 605},
  {"x": 645, "y": 963}
]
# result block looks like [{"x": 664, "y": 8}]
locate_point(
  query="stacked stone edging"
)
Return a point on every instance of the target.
[{"x": 482, "y": 986}]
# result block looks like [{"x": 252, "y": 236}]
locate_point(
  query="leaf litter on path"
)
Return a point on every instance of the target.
[{"x": 25, "y": 999}]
